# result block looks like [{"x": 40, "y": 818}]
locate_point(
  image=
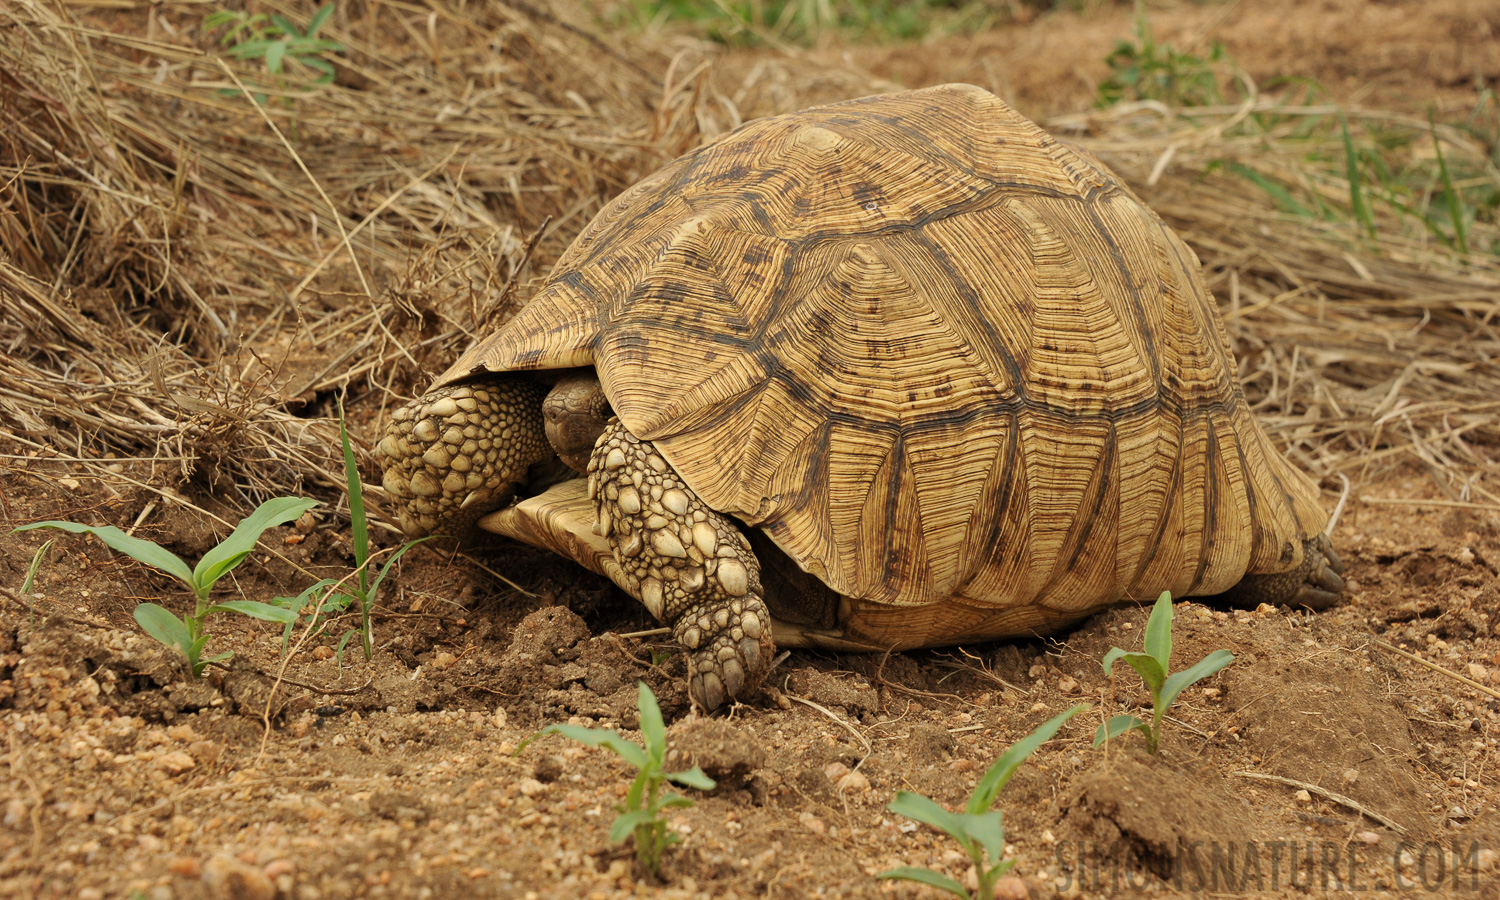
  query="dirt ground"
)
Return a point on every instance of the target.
[{"x": 1344, "y": 751}]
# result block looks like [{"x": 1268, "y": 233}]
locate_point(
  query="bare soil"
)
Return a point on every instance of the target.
[{"x": 314, "y": 776}]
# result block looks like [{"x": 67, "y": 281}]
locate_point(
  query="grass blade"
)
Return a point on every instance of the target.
[
  {"x": 255, "y": 610},
  {"x": 148, "y": 552},
  {"x": 1159, "y": 631},
  {"x": 1450, "y": 196},
  {"x": 162, "y": 625},
  {"x": 927, "y": 877},
  {"x": 357, "y": 520},
  {"x": 999, "y": 772},
  {"x": 1357, "y": 201},
  {"x": 611, "y": 740},
  {"x": 218, "y": 561}
]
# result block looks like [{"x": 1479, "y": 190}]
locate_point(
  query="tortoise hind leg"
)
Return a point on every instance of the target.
[
  {"x": 687, "y": 563},
  {"x": 1315, "y": 584}
]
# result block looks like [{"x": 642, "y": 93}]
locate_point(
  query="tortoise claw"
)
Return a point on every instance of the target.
[{"x": 1313, "y": 598}]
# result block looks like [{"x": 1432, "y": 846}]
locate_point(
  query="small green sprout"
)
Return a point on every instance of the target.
[
  {"x": 30, "y": 581},
  {"x": 640, "y": 814},
  {"x": 337, "y": 594},
  {"x": 186, "y": 633},
  {"x": 276, "y": 40},
  {"x": 978, "y": 829},
  {"x": 1154, "y": 670}
]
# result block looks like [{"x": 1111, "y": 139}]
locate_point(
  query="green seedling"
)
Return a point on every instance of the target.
[
  {"x": 640, "y": 814},
  {"x": 979, "y": 830},
  {"x": 276, "y": 41},
  {"x": 1146, "y": 70},
  {"x": 186, "y": 633},
  {"x": 1153, "y": 668},
  {"x": 30, "y": 581},
  {"x": 330, "y": 596}
]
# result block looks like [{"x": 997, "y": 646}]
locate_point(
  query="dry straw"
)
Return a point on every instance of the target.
[{"x": 188, "y": 277}]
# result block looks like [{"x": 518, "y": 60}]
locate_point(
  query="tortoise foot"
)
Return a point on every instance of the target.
[
  {"x": 459, "y": 452},
  {"x": 687, "y": 563},
  {"x": 1316, "y": 584}
]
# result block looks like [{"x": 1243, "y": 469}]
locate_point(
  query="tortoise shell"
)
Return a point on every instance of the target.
[{"x": 948, "y": 364}]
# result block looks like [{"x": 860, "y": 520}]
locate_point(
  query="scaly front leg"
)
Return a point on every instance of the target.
[{"x": 689, "y": 564}]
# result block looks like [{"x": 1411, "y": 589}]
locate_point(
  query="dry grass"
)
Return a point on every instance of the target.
[{"x": 190, "y": 278}]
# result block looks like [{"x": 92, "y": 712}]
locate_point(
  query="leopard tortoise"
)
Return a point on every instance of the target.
[{"x": 898, "y": 372}]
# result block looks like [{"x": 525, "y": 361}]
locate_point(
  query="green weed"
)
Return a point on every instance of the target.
[
  {"x": 760, "y": 22},
  {"x": 30, "y": 581},
  {"x": 979, "y": 830},
  {"x": 187, "y": 633},
  {"x": 1153, "y": 667},
  {"x": 330, "y": 597},
  {"x": 1146, "y": 70},
  {"x": 640, "y": 814},
  {"x": 276, "y": 41},
  {"x": 1380, "y": 175}
]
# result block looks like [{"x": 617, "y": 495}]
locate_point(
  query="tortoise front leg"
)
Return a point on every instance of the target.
[
  {"x": 460, "y": 451},
  {"x": 687, "y": 563}
]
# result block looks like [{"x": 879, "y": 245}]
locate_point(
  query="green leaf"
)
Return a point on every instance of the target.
[
  {"x": 274, "y": 54},
  {"x": 598, "y": 737},
  {"x": 385, "y": 569},
  {"x": 927, "y": 877},
  {"x": 162, "y": 625},
  {"x": 989, "y": 830},
  {"x": 674, "y": 801},
  {"x": 36, "y": 564},
  {"x": 255, "y": 610},
  {"x": 999, "y": 772},
  {"x": 285, "y": 26},
  {"x": 1205, "y": 667},
  {"x": 653, "y": 730},
  {"x": 1118, "y": 726},
  {"x": 218, "y": 561},
  {"x": 312, "y": 62},
  {"x": 928, "y": 812},
  {"x": 1144, "y": 664},
  {"x": 1357, "y": 203},
  {"x": 319, "y": 19},
  {"x": 625, "y": 824},
  {"x": 1159, "y": 631},
  {"x": 148, "y": 552},
  {"x": 357, "y": 521},
  {"x": 998, "y": 869},
  {"x": 693, "y": 778}
]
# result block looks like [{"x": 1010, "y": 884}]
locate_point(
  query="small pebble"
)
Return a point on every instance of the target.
[
  {"x": 229, "y": 879},
  {"x": 175, "y": 763},
  {"x": 530, "y": 787},
  {"x": 323, "y": 652},
  {"x": 185, "y": 867},
  {"x": 1303, "y": 797},
  {"x": 854, "y": 782},
  {"x": 1011, "y": 887},
  {"x": 1368, "y": 837},
  {"x": 1068, "y": 685}
]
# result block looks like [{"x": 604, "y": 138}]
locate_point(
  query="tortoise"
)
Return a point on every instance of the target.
[{"x": 898, "y": 372}]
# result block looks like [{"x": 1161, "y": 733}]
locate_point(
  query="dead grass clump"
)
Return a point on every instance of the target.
[
  {"x": 1358, "y": 350},
  {"x": 188, "y": 276}
]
